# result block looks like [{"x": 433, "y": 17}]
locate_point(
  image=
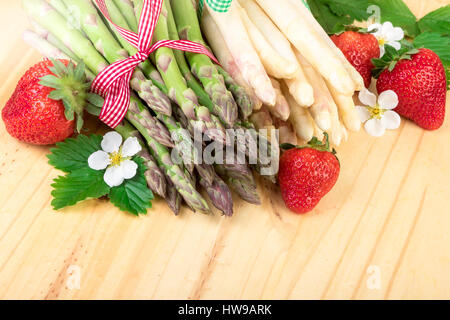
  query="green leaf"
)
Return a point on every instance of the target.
[
  {"x": 436, "y": 21},
  {"x": 355, "y": 9},
  {"x": 133, "y": 195},
  {"x": 329, "y": 21},
  {"x": 397, "y": 12},
  {"x": 73, "y": 153},
  {"x": 437, "y": 42},
  {"x": 79, "y": 185}
]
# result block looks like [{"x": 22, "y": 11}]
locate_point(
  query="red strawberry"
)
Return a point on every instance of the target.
[
  {"x": 359, "y": 49},
  {"x": 307, "y": 174},
  {"x": 418, "y": 78},
  {"x": 35, "y": 114}
]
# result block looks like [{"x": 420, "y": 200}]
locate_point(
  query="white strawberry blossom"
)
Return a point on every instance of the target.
[
  {"x": 116, "y": 158},
  {"x": 386, "y": 33},
  {"x": 378, "y": 116}
]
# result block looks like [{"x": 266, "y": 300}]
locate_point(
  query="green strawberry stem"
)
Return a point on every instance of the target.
[
  {"x": 391, "y": 58},
  {"x": 71, "y": 87},
  {"x": 314, "y": 143}
]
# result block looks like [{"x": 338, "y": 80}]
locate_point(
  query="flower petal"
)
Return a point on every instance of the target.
[
  {"x": 395, "y": 44},
  {"x": 367, "y": 97},
  {"x": 396, "y": 34},
  {"x": 390, "y": 120},
  {"x": 363, "y": 113},
  {"x": 388, "y": 100},
  {"x": 129, "y": 169},
  {"x": 375, "y": 26},
  {"x": 375, "y": 128},
  {"x": 113, "y": 176},
  {"x": 387, "y": 28},
  {"x": 111, "y": 142},
  {"x": 382, "y": 51},
  {"x": 99, "y": 160},
  {"x": 131, "y": 146}
]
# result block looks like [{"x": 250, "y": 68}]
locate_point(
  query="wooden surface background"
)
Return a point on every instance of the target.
[{"x": 387, "y": 219}]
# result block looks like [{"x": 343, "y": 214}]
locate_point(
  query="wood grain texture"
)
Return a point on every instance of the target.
[{"x": 388, "y": 212}]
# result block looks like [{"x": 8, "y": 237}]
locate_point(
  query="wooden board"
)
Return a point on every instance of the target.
[{"x": 387, "y": 218}]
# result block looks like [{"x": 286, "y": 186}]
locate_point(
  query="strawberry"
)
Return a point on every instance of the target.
[
  {"x": 418, "y": 77},
  {"x": 307, "y": 174},
  {"x": 359, "y": 49},
  {"x": 42, "y": 108}
]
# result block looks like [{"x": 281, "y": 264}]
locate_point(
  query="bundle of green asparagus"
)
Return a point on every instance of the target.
[{"x": 175, "y": 93}]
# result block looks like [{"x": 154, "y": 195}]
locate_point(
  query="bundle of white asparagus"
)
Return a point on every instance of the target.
[{"x": 287, "y": 63}]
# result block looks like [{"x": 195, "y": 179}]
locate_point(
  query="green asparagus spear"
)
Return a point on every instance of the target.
[
  {"x": 243, "y": 100},
  {"x": 220, "y": 194},
  {"x": 175, "y": 174},
  {"x": 202, "y": 67},
  {"x": 178, "y": 90},
  {"x": 127, "y": 9},
  {"x": 216, "y": 97},
  {"x": 155, "y": 178},
  {"x": 173, "y": 198},
  {"x": 240, "y": 179}
]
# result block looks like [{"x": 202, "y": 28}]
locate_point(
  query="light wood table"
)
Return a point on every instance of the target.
[{"x": 387, "y": 217}]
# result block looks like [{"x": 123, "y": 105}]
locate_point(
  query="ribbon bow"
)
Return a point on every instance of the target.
[{"x": 114, "y": 81}]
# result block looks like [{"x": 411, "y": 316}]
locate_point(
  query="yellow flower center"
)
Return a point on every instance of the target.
[
  {"x": 116, "y": 158},
  {"x": 381, "y": 41},
  {"x": 376, "y": 112}
]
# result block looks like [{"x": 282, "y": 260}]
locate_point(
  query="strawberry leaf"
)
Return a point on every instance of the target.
[
  {"x": 436, "y": 21},
  {"x": 73, "y": 153},
  {"x": 331, "y": 22},
  {"x": 77, "y": 186},
  {"x": 133, "y": 195},
  {"x": 355, "y": 9}
]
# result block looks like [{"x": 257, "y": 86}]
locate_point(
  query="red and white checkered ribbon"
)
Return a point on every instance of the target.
[{"x": 114, "y": 81}]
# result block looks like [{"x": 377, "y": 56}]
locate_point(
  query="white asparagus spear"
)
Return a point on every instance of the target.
[
  {"x": 324, "y": 110},
  {"x": 286, "y": 131},
  {"x": 347, "y": 111},
  {"x": 281, "y": 108},
  {"x": 261, "y": 119},
  {"x": 269, "y": 30},
  {"x": 320, "y": 110},
  {"x": 223, "y": 54},
  {"x": 344, "y": 133},
  {"x": 241, "y": 48},
  {"x": 300, "y": 118},
  {"x": 301, "y": 88},
  {"x": 318, "y": 133},
  {"x": 275, "y": 65},
  {"x": 356, "y": 76},
  {"x": 306, "y": 40}
]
